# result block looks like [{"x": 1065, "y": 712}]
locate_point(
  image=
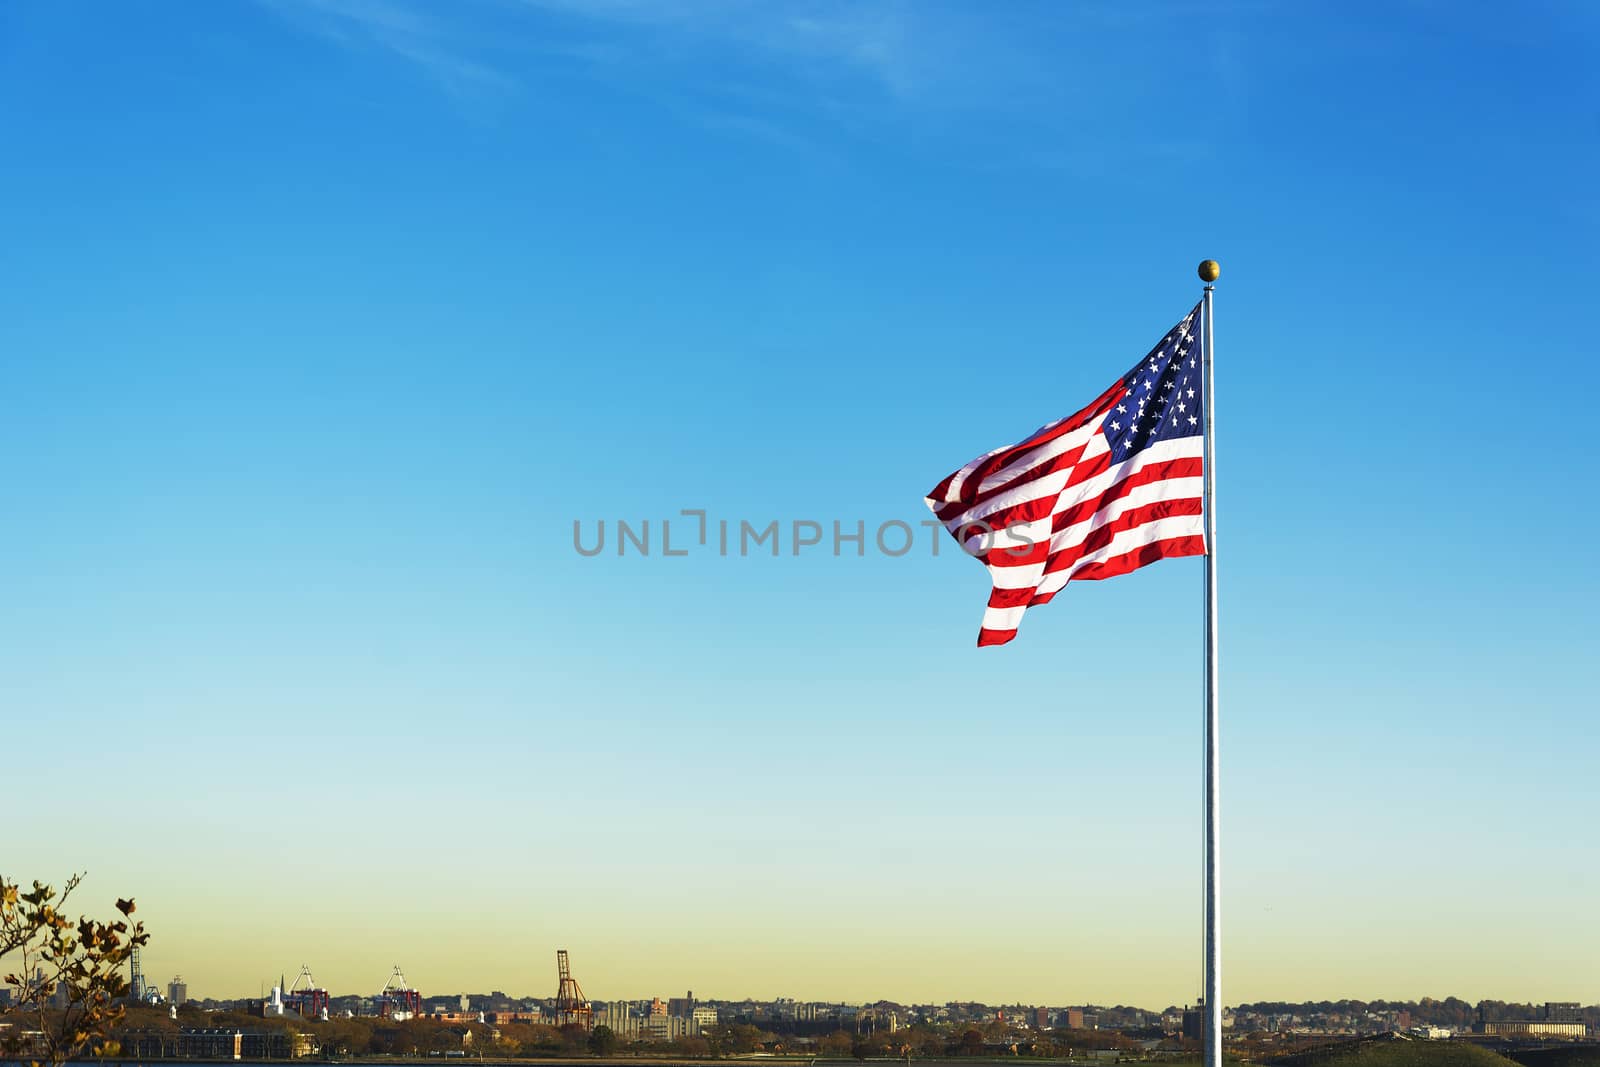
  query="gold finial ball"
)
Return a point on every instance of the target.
[{"x": 1209, "y": 270}]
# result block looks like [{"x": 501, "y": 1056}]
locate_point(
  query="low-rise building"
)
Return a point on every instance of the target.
[
  {"x": 207, "y": 1043},
  {"x": 1520, "y": 1028}
]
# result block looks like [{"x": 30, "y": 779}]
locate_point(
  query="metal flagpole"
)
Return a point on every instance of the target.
[{"x": 1209, "y": 270}]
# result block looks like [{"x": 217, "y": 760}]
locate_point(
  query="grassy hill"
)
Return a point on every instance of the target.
[{"x": 1391, "y": 1053}]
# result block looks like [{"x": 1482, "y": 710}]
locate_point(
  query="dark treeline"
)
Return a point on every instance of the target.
[
  {"x": 1452, "y": 1012},
  {"x": 148, "y": 1033}
]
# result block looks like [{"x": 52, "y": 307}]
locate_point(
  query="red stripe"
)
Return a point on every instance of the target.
[
  {"x": 1092, "y": 468},
  {"x": 1010, "y": 550},
  {"x": 1010, "y": 598},
  {"x": 1000, "y": 546},
  {"x": 1027, "y": 598},
  {"x": 1027, "y": 511},
  {"x": 1172, "y": 547},
  {"x": 995, "y": 637},
  {"x": 969, "y": 487},
  {"x": 1132, "y": 560},
  {"x": 1186, "y": 467},
  {"x": 947, "y": 512},
  {"x": 1131, "y": 519}
]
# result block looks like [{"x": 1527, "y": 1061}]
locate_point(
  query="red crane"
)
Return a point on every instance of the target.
[
  {"x": 398, "y": 1000},
  {"x": 572, "y": 1008}
]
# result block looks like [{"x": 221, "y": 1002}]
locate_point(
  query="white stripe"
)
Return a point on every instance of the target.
[
  {"x": 959, "y": 479},
  {"x": 1024, "y": 577},
  {"x": 1056, "y": 485},
  {"x": 952, "y": 494},
  {"x": 1028, "y": 576},
  {"x": 1126, "y": 541},
  {"x": 1002, "y": 618},
  {"x": 1042, "y": 453},
  {"x": 1048, "y": 487},
  {"x": 1138, "y": 497}
]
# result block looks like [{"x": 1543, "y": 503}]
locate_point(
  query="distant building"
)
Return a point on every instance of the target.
[
  {"x": 1071, "y": 1018},
  {"x": 1535, "y": 1029},
  {"x": 178, "y": 991},
  {"x": 683, "y": 1005},
  {"x": 657, "y": 1007},
  {"x": 455, "y": 1002},
  {"x": 1041, "y": 1018},
  {"x": 665, "y": 1027},
  {"x": 1194, "y": 1022},
  {"x": 1562, "y": 1011},
  {"x": 210, "y": 1044},
  {"x": 276, "y": 1045},
  {"x": 618, "y": 1016},
  {"x": 703, "y": 1018}
]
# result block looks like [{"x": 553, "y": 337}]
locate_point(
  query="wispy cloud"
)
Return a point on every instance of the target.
[
  {"x": 893, "y": 46},
  {"x": 431, "y": 44},
  {"x": 793, "y": 73},
  {"x": 878, "y": 40}
]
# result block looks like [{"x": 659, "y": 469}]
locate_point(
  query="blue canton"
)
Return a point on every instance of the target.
[{"x": 1162, "y": 396}]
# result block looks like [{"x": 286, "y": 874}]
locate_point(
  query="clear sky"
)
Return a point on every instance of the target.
[{"x": 324, "y": 320}]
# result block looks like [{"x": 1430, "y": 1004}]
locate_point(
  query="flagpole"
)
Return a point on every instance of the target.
[{"x": 1209, "y": 270}]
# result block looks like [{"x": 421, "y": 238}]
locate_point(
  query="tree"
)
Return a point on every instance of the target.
[
  {"x": 864, "y": 1048},
  {"x": 66, "y": 977},
  {"x": 837, "y": 1043},
  {"x": 574, "y": 1038},
  {"x": 602, "y": 1040},
  {"x": 971, "y": 1043}
]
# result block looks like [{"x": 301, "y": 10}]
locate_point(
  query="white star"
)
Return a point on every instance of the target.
[
  {"x": 1191, "y": 394},
  {"x": 1116, "y": 425},
  {"x": 1147, "y": 384},
  {"x": 1193, "y": 420},
  {"x": 1122, "y": 409},
  {"x": 1191, "y": 363},
  {"x": 1174, "y": 420},
  {"x": 1180, "y": 405}
]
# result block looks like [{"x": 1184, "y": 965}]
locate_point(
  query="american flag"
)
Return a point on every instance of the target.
[{"x": 1093, "y": 495}]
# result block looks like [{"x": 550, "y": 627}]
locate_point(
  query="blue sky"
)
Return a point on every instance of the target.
[{"x": 326, "y": 319}]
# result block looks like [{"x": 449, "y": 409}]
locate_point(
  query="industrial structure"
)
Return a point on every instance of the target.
[
  {"x": 399, "y": 1001},
  {"x": 136, "y": 983},
  {"x": 305, "y": 998},
  {"x": 571, "y": 1006}
]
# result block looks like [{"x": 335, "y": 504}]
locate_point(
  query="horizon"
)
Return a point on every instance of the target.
[
  {"x": 333, "y": 320},
  {"x": 830, "y": 1001}
]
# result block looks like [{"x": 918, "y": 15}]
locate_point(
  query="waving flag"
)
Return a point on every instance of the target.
[{"x": 1093, "y": 495}]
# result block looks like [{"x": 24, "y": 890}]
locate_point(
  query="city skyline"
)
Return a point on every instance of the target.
[
  {"x": 331, "y": 318},
  {"x": 306, "y": 997},
  {"x": 292, "y": 976}
]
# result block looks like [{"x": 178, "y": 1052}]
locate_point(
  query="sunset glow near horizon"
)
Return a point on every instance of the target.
[{"x": 328, "y": 320}]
